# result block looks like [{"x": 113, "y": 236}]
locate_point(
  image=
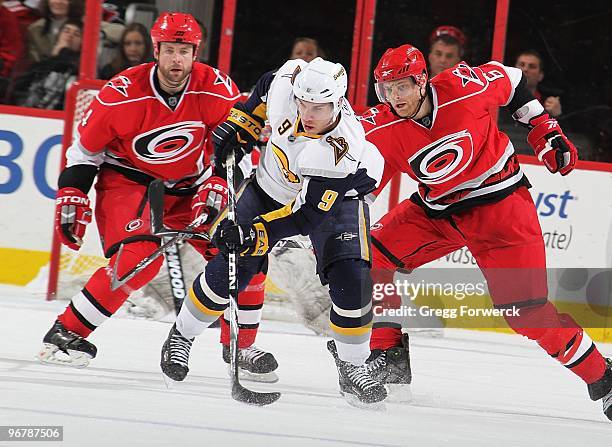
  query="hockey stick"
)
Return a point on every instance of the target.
[
  {"x": 176, "y": 276},
  {"x": 156, "y": 200},
  {"x": 117, "y": 281},
  {"x": 239, "y": 392},
  {"x": 172, "y": 237}
]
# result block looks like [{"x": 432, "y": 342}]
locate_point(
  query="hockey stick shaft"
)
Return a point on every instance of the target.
[
  {"x": 233, "y": 280},
  {"x": 176, "y": 276},
  {"x": 172, "y": 254},
  {"x": 239, "y": 392}
]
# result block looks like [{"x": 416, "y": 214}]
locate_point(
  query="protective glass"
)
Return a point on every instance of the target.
[{"x": 398, "y": 88}]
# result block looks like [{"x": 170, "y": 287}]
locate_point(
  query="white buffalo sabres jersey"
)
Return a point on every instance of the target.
[{"x": 292, "y": 155}]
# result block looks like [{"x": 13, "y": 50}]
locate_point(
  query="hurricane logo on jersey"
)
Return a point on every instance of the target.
[
  {"x": 467, "y": 74},
  {"x": 120, "y": 84},
  {"x": 170, "y": 143},
  {"x": 283, "y": 164},
  {"x": 223, "y": 79},
  {"x": 369, "y": 116},
  {"x": 444, "y": 159}
]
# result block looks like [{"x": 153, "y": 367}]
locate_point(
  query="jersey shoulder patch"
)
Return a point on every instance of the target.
[
  {"x": 213, "y": 82},
  {"x": 376, "y": 116},
  {"x": 458, "y": 81},
  {"x": 127, "y": 86},
  {"x": 463, "y": 81}
]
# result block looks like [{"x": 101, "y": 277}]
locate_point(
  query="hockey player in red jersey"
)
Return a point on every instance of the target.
[
  {"x": 472, "y": 192},
  {"x": 149, "y": 122}
]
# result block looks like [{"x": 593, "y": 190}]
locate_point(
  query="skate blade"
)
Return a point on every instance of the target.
[
  {"x": 243, "y": 374},
  {"x": 399, "y": 393},
  {"x": 52, "y": 355},
  {"x": 354, "y": 401},
  {"x": 170, "y": 383}
]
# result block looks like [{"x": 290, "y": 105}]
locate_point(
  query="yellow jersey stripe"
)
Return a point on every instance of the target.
[{"x": 279, "y": 213}]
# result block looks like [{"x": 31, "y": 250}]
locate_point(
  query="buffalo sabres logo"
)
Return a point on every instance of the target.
[
  {"x": 443, "y": 159},
  {"x": 340, "y": 146},
  {"x": 171, "y": 143},
  {"x": 467, "y": 74},
  {"x": 295, "y": 73},
  {"x": 224, "y": 79},
  {"x": 120, "y": 84},
  {"x": 283, "y": 164}
]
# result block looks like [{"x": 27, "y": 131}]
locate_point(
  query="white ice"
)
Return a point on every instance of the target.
[{"x": 470, "y": 389}]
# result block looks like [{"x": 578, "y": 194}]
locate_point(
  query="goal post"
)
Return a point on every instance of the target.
[{"x": 78, "y": 98}]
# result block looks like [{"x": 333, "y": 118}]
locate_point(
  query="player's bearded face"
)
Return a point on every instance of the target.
[
  {"x": 316, "y": 117},
  {"x": 175, "y": 61},
  {"x": 404, "y": 95}
]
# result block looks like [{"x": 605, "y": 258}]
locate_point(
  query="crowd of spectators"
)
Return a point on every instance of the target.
[{"x": 40, "y": 49}]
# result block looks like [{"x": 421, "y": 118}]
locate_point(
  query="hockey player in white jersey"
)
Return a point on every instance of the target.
[{"x": 314, "y": 178}]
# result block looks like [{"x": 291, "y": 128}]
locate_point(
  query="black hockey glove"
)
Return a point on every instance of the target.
[
  {"x": 239, "y": 133},
  {"x": 248, "y": 240}
]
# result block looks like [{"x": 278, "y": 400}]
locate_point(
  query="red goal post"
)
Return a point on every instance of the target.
[{"x": 78, "y": 98}]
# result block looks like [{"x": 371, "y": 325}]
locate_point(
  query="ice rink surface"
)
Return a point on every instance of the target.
[{"x": 470, "y": 389}]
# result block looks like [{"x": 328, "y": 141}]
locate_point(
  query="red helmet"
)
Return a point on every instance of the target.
[
  {"x": 176, "y": 27},
  {"x": 398, "y": 63},
  {"x": 448, "y": 30}
]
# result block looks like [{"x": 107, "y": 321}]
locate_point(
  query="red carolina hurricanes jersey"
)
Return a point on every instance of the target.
[
  {"x": 130, "y": 125},
  {"x": 462, "y": 159}
]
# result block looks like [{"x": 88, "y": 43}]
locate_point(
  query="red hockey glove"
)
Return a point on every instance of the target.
[
  {"x": 208, "y": 202},
  {"x": 551, "y": 146},
  {"x": 72, "y": 214}
]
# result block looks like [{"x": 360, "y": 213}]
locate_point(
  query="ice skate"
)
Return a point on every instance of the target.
[
  {"x": 391, "y": 367},
  {"x": 63, "y": 347},
  {"x": 356, "y": 384},
  {"x": 175, "y": 357},
  {"x": 254, "y": 364},
  {"x": 602, "y": 389}
]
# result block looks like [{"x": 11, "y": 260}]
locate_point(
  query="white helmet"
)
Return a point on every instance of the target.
[{"x": 321, "y": 81}]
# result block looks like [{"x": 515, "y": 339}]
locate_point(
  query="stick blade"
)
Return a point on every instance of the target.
[{"x": 244, "y": 395}]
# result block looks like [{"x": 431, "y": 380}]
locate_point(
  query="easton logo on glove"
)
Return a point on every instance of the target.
[
  {"x": 246, "y": 122},
  {"x": 72, "y": 215}
]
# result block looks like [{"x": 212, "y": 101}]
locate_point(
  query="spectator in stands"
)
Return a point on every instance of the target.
[
  {"x": 135, "y": 48},
  {"x": 25, "y": 12},
  {"x": 530, "y": 62},
  {"x": 447, "y": 47},
  {"x": 11, "y": 44},
  {"x": 45, "y": 84},
  {"x": 305, "y": 48},
  {"x": 43, "y": 33}
]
